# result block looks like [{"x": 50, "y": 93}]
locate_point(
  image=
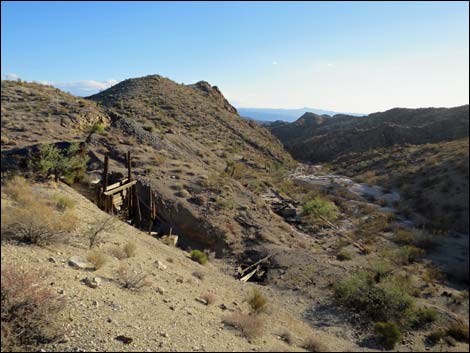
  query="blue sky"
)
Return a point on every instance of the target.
[{"x": 352, "y": 56}]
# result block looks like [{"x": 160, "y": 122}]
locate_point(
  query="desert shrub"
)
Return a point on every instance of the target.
[
  {"x": 94, "y": 232},
  {"x": 209, "y": 298},
  {"x": 130, "y": 248},
  {"x": 199, "y": 256},
  {"x": 388, "y": 334},
  {"x": 313, "y": 344},
  {"x": 257, "y": 301},
  {"x": 28, "y": 311},
  {"x": 424, "y": 239},
  {"x": 368, "y": 229},
  {"x": 386, "y": 300},
  {"x": 251, "y": 326},
  {"x": 424, "y": 316},
  {"x": 404, "y": 236},
  {"x": 149, "y": 128},
  {"x": 37, "y": 222},
  {"x": 63, "y": 203},
  {"x": 381, "y": 269},
  {"x": 459, "y": 330},
  {"x": 407, "y": 254},
  {"x": 343, "y": 256},
  {"x": 98, "y": 128},
  {"x": 19, "y": 189},
  {"x": 131, "y": 279},
  {"x": 435, "y": 336},
  {"x": 97, "y": 258},
  {"x": 319, "y": 207},
  {"x": 117, "y": 252}
]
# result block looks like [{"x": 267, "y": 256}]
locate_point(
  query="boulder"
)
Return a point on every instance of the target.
[{"x": 80, "y": 263}]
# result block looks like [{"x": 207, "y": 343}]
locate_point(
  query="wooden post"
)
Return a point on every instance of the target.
[
  {"x": 129, "y": 165},
  {"x": 105, "y": 172},
  {"x": 150, "y": 210},
  {"x": 129, "y": 192},
  {"x": 137, "y": 205}
]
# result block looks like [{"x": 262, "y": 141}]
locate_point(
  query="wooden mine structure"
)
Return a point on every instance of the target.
[{"x": 128, "y": 195}]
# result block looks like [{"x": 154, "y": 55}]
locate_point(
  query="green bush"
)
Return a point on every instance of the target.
[
  {"x": 386, "y": 300},
  {"x": 424, "y": 316},
  {"x": 98, "y": 128},
  {"x": 199, "y": 256},
  {"x": 343, "y": 256},
  {"x": 388, "y": 333},
  {"x": 69, "y": 163},
  {"x": 319, "y": 207},
  {"x": 407, "y": 254}
]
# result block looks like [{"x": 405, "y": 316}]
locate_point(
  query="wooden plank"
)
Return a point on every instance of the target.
[
  {"x": 117, "y": 197},
  {"x": 255, "y": 264},
  {"x": 120, "y": 188},
  {"x": 115, "y": 185},
  {"x": 244, "y": 279}
]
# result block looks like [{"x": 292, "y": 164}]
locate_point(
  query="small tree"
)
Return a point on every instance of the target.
[{"x": 69, "y": 163}]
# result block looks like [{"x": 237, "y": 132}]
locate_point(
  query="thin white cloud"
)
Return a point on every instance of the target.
[
  {"x": 274, "y": 62},
  {"x": 84, "y": 87},
  {"x": 11, "y": 76},
  {"x": 330, "y": 65}
]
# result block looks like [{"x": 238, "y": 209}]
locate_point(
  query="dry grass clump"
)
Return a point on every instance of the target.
[
  {"x": 63, "y": 203},
  {"x": 19, "y": 189},
  {"x": 97, "y": 258},
  {"x": 131, "y": 279},
  {"x": 28, "y": 311},
  {"x": 130, "y": 248},
  {"x": 257, "y": 301},
  {"x": 459, "y": 330},
  {"x": 36, "y": 222},
  {"x": 251, "y": 326},
  {"x": 208, "y": 298},
  {"x": 117, "y": 252},
  {"x": 127, "y": 251},
  {"x": 313, "y": 344}
]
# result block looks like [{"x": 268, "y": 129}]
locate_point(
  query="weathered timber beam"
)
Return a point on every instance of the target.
[{"x": 120, "y": 188}]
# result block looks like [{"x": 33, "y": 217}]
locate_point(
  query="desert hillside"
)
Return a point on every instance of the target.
[
  {"x": 250, "y": 250},
  {"x": 185, "y": 141}
]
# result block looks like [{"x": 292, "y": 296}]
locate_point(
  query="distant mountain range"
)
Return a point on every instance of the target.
[
  {"x": 271, "y": 114},
  {"x": 320, "y": 138}
]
